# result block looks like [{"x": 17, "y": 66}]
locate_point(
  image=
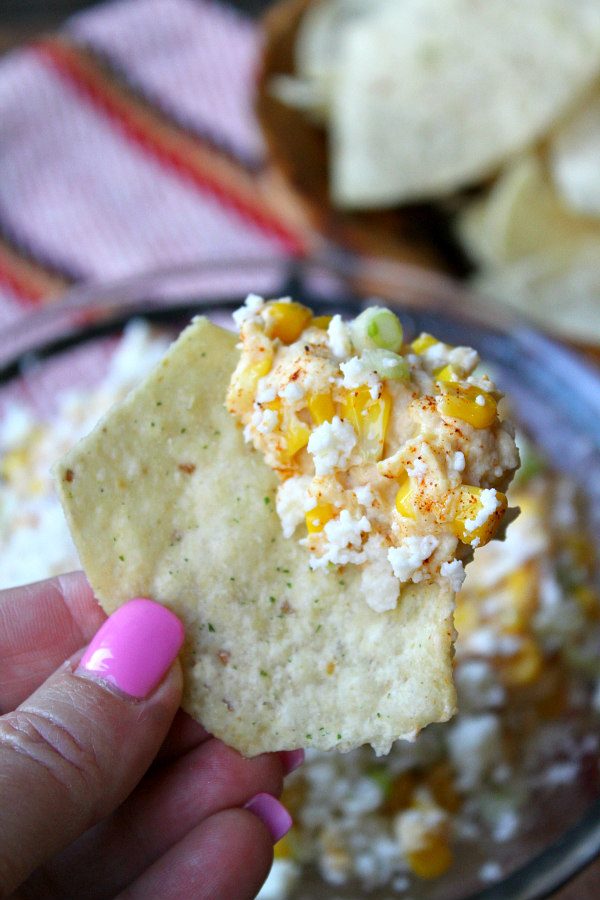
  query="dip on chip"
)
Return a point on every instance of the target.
[{"x": 338, "y": 635}]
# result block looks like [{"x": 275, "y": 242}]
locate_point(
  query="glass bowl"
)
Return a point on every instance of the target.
[{"x": 554, "y": 394}]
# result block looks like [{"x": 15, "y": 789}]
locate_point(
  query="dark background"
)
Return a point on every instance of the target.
[{"x": 20, "y": 19}]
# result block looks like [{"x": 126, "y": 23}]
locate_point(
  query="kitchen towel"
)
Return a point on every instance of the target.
[{"x": 128, "y": 143}]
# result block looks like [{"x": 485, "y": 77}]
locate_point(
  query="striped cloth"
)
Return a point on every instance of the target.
[{"x": 127, "y": 143}]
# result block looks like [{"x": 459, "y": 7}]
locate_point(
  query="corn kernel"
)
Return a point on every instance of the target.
[
  {"x": 321, "y": 408},
  {"x": 524, "y": 667},
  {"x": 13, "y": 462},
  {"x": 286, "y": 321},
  {"x": 296, "y": 436},
  {"x": 321, "y": 322},
  {"x": 246, "y": 382},
  {"x": 468, "y": 507},
  {"x": 405, "y": 498},
  {"x": 283, "y": 848},
  {"x": 369, "y": 418},
  {"x": 319, "y": 516},
  {"x": 446, "y": 374},
  {"x": 432, "y": 860},
  {"x": 466, "y": 615},
  {"x": 522, "y": 585},
  {"x": 460, "y": 402},
  {"x": 423, "y": 343}
]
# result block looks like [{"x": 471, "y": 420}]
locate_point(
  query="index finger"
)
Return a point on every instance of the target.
[{"x": 41, "y": 625}]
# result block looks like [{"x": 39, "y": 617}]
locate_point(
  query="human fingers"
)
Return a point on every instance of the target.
[
  {"x": 41, "y": 625},
  {"x": 171, "y": 802},
  {"x": 226, "y": 857},
  {"x": 74, "y": 750}
]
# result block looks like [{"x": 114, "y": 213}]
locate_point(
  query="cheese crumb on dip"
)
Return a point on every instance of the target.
[{"x": 392, "y": 456}]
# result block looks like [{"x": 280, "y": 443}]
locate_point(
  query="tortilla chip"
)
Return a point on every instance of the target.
[
  {"x": 521, "y": 215},
  {"x": 574, "y": 158},
  {"x": 165, "y": 500},
  {"x": 433, "y": 96}
]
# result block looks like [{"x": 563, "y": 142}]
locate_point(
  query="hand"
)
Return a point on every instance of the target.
[{"x": 105, "y": 788}]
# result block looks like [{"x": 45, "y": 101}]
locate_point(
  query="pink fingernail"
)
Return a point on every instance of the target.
[
  {"x": 291, "y": 759},
  {"x": 271, "y": 813},
  {"x": 135, "y": 647}
]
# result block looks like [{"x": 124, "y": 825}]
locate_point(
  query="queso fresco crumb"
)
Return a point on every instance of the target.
[{"x": 391, "y": 456}]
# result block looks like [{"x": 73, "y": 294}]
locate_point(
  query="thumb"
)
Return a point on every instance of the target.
[{"x": 74, "y": 750}]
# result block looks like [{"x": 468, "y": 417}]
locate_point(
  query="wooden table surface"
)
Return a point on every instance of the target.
[{"x": 22, "y": 19}]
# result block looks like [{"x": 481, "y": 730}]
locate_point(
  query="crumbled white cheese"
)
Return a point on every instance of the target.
[
  {"x": 249, "y": 310},
  {"x": 331, "y": 445},
  {"x": 338, "y": 336},
  {"x": 489, "y": 503},
  {"x": 290, "y": 502},
  {"x": 343, "y": 541},
  {"x": 364, "y": 495},
  {"x": 264, "y": 420},
  {"x": 408, "y": 558},
  {"x": 487, "y": 642},
  {"x": 463, "y": 358},
  {"x": 458, "y": 461},
  {"x": 264, "y": 392},
  {"x": 454, "y": 571},
  {"x": 292, "y": 391},
  {"x": 475, "y": 748},
  {"x": 417, "y": 470},
  {"x": 478, "y": 687},
  {"x": 357, "y": 372},
  {"x": 490, "y": 871},
  {"x": 281, "y": 879},
  {"x": 414, "y": 827},
  {"x": 16, "y": 423}
]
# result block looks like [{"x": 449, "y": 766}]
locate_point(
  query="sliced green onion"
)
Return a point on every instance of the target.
[
  {"x": 385, "y": 364},
  {"x": 377, "y": 327}
]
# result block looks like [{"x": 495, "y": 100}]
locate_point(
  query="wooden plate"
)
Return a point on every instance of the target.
[{"x": 297, "y": 148}]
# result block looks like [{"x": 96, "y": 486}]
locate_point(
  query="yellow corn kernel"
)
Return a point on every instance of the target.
[
  {"x": 522, "y": 585},
  {"x": 405, "y": 498},
  {"x": 446, "y": 374},
  {"x": 13, "y": 462},
  {"x": 466, "y": 615},
  {"x": 37, "y": 486},
  {"x": 423, "y": 343},
  {"x": 273, "y": 404},
  {"x": 286, "y": 321},
  {"x": 460, "y": 402},
  {"x": 283, "y": 847},
  {"x": 246, "y": 381},
  {"x": 321, "y": 322},
  {"x": 321, "y": 408},
  {"x": 432, "y": 860},
  {"x": 524, "y": 667},
  {"x": 369, "y": 418},
  {"x": 296, "y": 436},
  {"x": 319, "y": 516},
  {"x": 468, "y": 507}
]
